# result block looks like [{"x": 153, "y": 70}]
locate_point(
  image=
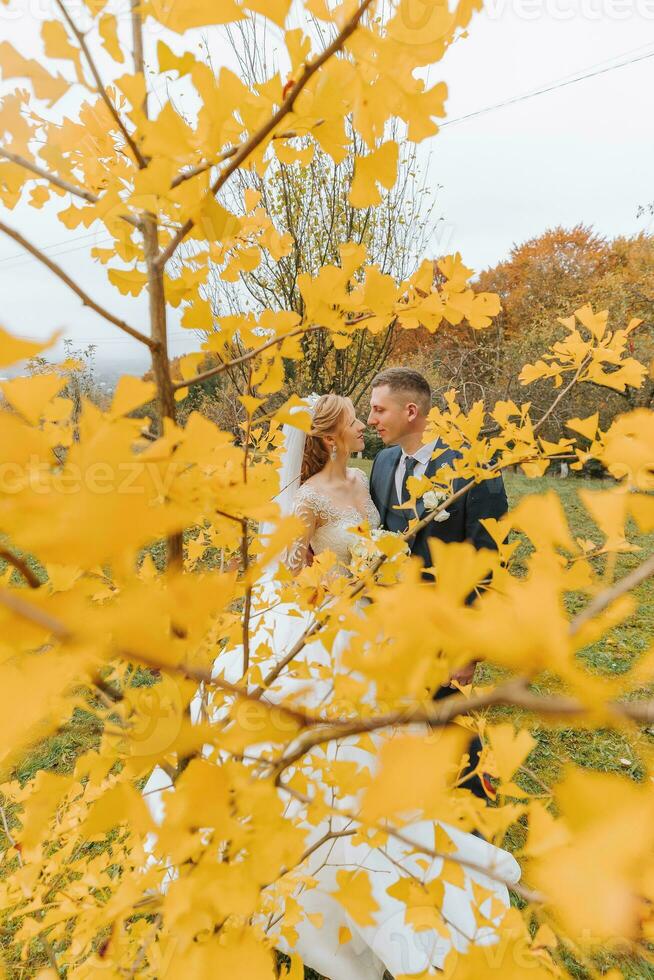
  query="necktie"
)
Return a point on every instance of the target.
[{"x": 410, "y": 464}]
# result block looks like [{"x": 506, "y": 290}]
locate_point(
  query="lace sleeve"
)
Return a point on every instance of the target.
[{"x": 305, "y": 508}]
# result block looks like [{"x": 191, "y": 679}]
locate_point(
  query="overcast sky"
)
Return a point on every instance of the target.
[{"x": 581, "y": 153}]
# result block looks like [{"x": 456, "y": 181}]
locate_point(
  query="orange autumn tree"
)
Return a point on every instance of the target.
[{"x": 90, "y": 881}]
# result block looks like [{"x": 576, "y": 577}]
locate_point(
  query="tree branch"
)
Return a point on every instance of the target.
[
  {"x": 438, "y": 714},
  {"x": 244, "y": 151},
  {"x": 102, "y": 92},
  {"x": 64, "y": 185},
  {"x": 227, "y": 155},
  {"x": 608, "y": 596},
  {"x": 85, "y": 298},
  {"x": 226, "y": 365},
  {"x": 21, "y": 566},
  {"x": 60, "y": 182},
  {"x": 564, "y": 391},
  {"x": 14, "y": 602},
  {"x": 519, "y": 889},
  {"x": 515, "y": 693},
  {"x": 358, "y": 587}
]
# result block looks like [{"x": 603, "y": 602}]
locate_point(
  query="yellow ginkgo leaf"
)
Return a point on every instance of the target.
[
  {"x": 252, "y": 198},
  {"x": 29, "y": 396},
  {"x": 595, "y": 322},
  {"x": 169, "y": 61},
  {"x": 416, "y": 774},
  {"x": 587, "y": 427},
  {"x": 198, "y": 316},
  {"x": 130, "y": 393},
  {"x": 108, "y": 28},
  {"x": 275, "y": 10},
  {"x": 13, "y": 349},
  {"x": 121, "y": 804},
  {"x": 510, "y": 748},
  {"x": 380, "y": 166},
  {"x": 354, "y": 893},
  {"x": 188, "y": 364},
  {"x": 289, "y": 154},
  {"x": 39, "y": 196},
  {"x": 46, "y": 86},
  {"x": 182, "y": 17},
  {"x": 55, "y": 41},
  {"x": 128, "y": 281},
  {"x": 49, "y": 790}
]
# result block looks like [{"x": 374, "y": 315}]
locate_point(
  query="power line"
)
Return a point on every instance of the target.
[
  {"x": 552, "y": 87},
  {"x": 85, "y": 341},
  {"x": 20, "y": 258},
  {"x": 605, "y": 62},
  {"x": 25, "y": 259},
  {"x": 46, "y": 248}
]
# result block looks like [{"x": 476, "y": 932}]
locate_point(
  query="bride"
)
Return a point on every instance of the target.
[{"x": 331, "y": 499}]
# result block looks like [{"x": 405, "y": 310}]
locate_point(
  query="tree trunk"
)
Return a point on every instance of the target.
[{"x": 160, "y": 364}]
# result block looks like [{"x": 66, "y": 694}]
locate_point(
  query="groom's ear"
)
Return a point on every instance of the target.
[{"x": 412, "y": 411}]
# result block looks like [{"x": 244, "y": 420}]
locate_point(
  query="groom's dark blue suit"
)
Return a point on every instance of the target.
[{"x": 485, "y": 499}]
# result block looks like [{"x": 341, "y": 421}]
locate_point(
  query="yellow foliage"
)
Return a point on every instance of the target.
[{"x": 135, "y": 574}]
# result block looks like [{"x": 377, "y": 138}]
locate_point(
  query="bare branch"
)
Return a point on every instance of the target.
[
  {"x": 85, "y": 298},
  {"x": 102, "y": 92},
  {"x": 257, "y": 138}
]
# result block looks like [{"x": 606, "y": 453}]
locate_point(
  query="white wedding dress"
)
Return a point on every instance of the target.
[
  {"x": 388, "y": 943},
  {"x": 332, "y": 942}
]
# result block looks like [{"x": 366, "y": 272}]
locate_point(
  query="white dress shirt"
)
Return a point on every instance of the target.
[{"x": 423, "y": 455}]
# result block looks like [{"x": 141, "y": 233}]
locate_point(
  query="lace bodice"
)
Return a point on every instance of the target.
[{"x": 330, "y": 525}]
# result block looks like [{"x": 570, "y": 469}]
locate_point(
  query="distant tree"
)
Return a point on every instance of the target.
[{"x": 542, "y": 280}]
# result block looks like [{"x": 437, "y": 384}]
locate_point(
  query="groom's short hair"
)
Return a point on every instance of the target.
[{"x": 407, "y": 382}]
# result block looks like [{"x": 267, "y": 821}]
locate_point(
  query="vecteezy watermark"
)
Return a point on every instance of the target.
[
  {"x": 591, "y": 10},
  {"x": 423, "y": 22},
  {"x": 128, "y": 477},
  {"x": 44, "y": 10}
]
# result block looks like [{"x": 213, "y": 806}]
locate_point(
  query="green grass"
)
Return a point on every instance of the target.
[{"x": 602, "y": 750}]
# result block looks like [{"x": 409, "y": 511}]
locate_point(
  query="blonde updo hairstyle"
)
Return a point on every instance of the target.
[{"x": 328, "y": 418}]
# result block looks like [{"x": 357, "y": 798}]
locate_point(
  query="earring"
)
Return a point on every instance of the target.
[{"x": 333, "y": 453}]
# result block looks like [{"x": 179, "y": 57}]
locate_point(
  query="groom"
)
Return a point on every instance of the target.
[{"x": 399, "y": 405}]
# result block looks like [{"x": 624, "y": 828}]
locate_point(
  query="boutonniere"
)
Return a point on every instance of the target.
[{"x": 433, "y": 499}]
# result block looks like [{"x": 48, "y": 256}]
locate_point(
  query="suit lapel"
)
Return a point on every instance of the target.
[
  {"x": 444, "y": 456},
  {"x": 390, "y": 497}
]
